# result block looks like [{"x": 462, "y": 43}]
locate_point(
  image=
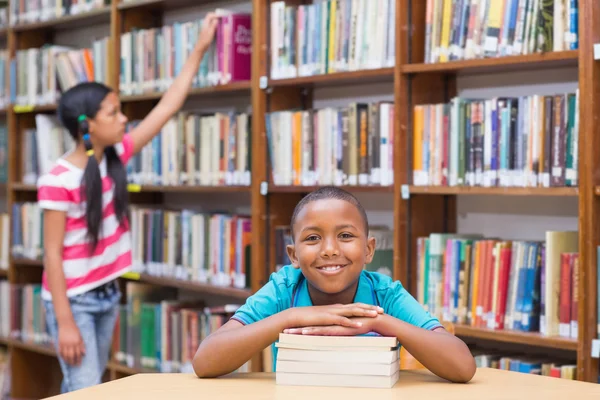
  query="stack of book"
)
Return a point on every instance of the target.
[{"x": 347, "y": 361}]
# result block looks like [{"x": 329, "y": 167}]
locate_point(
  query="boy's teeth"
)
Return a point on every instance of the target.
[{"x": 331, "y": 268}]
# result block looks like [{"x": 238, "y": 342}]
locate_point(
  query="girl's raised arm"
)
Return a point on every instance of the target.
[{"x": 173, "y": 98}]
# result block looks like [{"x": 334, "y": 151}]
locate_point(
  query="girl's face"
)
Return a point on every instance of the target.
[{"x": 108, "y": 127}]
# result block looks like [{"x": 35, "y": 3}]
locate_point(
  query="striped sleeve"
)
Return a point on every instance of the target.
[
  {"x": 125, "y": 149},
  {"x": 52, "y": 194}
]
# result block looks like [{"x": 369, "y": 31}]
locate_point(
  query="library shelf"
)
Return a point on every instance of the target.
[
  {"x": 79, "y": 20},
  {"x": 22, "y": 261},
  {"x": 125, "y": 370},
  {"x": 518, "y": 63},
  {"x": 496, "y": 191},
  {"x": 516, "y": 337},
  {"x": 18, "y": 109},
  {"x": 23, "y": 187},
  {"x": 46, "y": 349},
  {"x": 336, "y": 78},
  {"x": 308, "y": 189},
  {"x": 188, "y": 189},
  {"x": 234, "y": 88},
  {"x": 159, "y": 4},
  {"x": 198, "y": 287}
]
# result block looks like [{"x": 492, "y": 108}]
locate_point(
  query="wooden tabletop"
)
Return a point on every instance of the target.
[{"x": 486, "y": 384}]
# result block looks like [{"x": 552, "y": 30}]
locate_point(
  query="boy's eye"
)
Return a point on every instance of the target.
[
  {"x": 346, "y": 235},
  {"x": 312, "y": 237}
]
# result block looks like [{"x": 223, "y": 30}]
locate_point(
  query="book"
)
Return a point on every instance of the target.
[
  {"x": 519, "y": 285},
  {"x": 347, "y": 361}
]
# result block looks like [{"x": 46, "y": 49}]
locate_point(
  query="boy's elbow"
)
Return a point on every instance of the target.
[
  {"x": 467, "y": 371},
  {"x": 200, "y": 368}
]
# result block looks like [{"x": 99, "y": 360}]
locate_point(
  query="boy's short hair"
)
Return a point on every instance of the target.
[{"x": 329, "y": 192}]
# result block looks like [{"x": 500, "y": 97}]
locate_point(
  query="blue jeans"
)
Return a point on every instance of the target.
[{"x": 95, "y": 313}]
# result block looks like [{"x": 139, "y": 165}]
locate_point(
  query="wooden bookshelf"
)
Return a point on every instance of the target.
[
  {"x": 516, "y": 337},
  {"x": 338, "y": 78},
  {"x": 235, "y": 88},
  {"x": 198, "y": 287},
  {"x": 308, "y": 189},
  {"x": 507, "y": 63},
  {"x": 432, "y": 209},
  {"x": 495, "y": 191},
  {"x": 87, "y": 18}
]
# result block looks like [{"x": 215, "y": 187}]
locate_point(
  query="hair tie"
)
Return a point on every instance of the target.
[{"x": 82, "y": 120}]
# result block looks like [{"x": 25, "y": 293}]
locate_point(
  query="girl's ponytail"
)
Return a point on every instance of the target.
[{"x": 91, "y": 186}]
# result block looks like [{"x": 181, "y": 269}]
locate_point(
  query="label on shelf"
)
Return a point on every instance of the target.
[
  {"x": 23, "y": 109},
  {"x": 132, "y": 187},
  {"x": 131, "y": 275},
  {"x": 597, "y": 51},
  {"x": 595, "y": 348}
]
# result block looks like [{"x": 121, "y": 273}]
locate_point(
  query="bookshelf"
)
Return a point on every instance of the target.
[{"x": 418, "y": 210}]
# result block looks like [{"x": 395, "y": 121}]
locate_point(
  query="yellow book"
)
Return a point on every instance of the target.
[
  {"x": 332, "y": 41},
  {"x": 445, "y": 37}
]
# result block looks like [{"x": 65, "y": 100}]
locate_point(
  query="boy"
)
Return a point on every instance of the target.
[{"x": 326, "y": 291}]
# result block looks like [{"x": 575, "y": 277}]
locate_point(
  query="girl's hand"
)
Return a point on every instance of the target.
[
  {"x": 338, "y": 314},
  {"x": 207, "y": 34},
  {"x": 366, "y": 325},
  {"x": 70, "y": 343}
]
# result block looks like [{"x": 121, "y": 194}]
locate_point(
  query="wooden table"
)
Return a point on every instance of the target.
[{"x": 487, "y": 384}]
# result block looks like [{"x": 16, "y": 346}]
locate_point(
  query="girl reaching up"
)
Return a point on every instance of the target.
[{"x": 86, "y": 232}]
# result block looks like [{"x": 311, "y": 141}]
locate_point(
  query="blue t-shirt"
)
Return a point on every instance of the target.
[{"x": 287, "y": 288}]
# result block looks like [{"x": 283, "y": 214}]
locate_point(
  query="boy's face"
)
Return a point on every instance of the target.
[{"x": 330, "y": 246}]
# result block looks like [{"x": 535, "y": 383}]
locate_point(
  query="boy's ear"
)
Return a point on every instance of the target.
[
  {"x": 291, "y": 252},
  {"x": 370, "y": 249}
]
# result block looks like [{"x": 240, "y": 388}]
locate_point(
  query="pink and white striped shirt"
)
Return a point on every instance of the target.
[{"x": 59, "y": 189}]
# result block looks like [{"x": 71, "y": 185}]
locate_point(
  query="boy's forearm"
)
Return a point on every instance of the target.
[
  {"x": 443, "y": 354},
  {"x": 224, "y": 352}
]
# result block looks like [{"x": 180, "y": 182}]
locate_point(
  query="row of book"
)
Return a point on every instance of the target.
[
  {"x": 383, "y": 258},
  {"x": 39, "y": 75},
  {"x": 27, "y": 224},
  {"x": 4, "y": 75},
  {"x": 152, "y": 58},
  {"x": 192, "y": 246},
  {"x": 196, "y": 149},
  {"x": 331, "y": 36},
  {"x": 3, "y": 152},
  {"x": 41, "y": 146},
  {"x": 469, "y": 29},
  {"x": 4, "y": 241},
  {"x": 517, "y": 285},
  {"x": 352, "y": 145},
  {"x": 527, "y": 365},
  {"x": 31, "y": 11},
  {"x": 526, "y": 141},
  {"x": 155, "y": 331},
  {"x": 23, "y": 316}
]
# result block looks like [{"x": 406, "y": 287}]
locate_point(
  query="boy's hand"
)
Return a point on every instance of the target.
[
  {"x": 207, "y": 34},
  {"x": 338, "y": 314},
  {"x": 367, "y": 325}
]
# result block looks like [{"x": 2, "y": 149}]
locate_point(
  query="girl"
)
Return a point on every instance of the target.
[{"x": 86, "y": 232}]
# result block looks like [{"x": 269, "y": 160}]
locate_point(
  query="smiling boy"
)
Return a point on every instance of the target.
[{"x": 326, "y": 291}]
